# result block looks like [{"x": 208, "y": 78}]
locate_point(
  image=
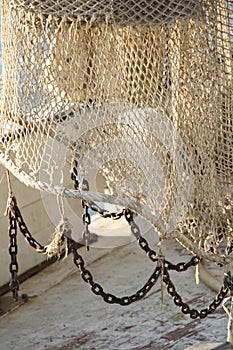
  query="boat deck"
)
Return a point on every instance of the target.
[{"x": 61, "y": 312}]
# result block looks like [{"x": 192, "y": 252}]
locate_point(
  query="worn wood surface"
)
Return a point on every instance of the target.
[{"x": 63, "y": 314}]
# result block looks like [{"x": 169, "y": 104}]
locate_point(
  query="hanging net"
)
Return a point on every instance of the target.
[{"x": 139, "y": 93}]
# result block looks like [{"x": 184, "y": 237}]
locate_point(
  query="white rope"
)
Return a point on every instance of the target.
[
  {"x": 62, "y": 230},
  {"x": 23, "y": 177},
  {"x": 139, "y": 208},
  {"x": 10, "y": 194},
  {"x": 230, "y": 318},
  {"x": 61, "y": 207}
]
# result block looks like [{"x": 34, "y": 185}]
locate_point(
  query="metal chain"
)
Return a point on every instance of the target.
[
  {"x": 88, "y": 278},
  {"x": 92, "y": 205},
  {"x": 127, "y": 300},
  {"x": 74, "y": 177},
  {"x": 86, "y": 221},
  {"x": 105, "y": 213},
  {"x": 98, "y": 289},
  {"x": 15, "y": 218},
  {"x": 161, "y": 269},
  {"x": 185, "y": 309},
  {"x": 13, "y": 250},
  {"x": 180, "y": 267},
  {"x": 24, "y": 230}
]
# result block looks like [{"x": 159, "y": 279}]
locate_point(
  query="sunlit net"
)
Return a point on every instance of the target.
[{"x": 139, "y": 92}]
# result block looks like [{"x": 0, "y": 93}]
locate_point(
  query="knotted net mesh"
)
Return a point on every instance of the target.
[{"x": 136, "y": 92}]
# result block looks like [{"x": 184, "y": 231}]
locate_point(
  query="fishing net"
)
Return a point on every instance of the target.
[{"x": 137, "y": 93}]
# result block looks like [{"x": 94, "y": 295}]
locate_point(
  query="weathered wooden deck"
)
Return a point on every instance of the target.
[{"x": 62, "y": 313}]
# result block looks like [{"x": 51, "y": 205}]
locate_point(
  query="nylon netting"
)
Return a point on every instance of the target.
[{"x": 139, "y": 92}]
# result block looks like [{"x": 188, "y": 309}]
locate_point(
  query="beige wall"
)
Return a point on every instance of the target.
[{"x": 36, "y": 219}]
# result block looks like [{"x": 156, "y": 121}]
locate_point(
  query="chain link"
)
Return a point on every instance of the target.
[
  {"x": 185, "y": 309},
  {"x": 87, "y": 276},
  {"x": 180, "y": 267},
  {"x": 24, "y": 230},
  {"x": 112, "y": 299},
  {"x": 86, "y": 221},
  {"x": 74, "y": 175},
  {"x": 105, "y": 213},
  {"x": 228, "y": 281},
  {"x": 92, "y": 205},
  {"x": 14, "y": 218},
  {"x": 166, "y": 265},
  {"x": 98, "y": 289},
  {"x": 74, "y": 178},
  {"x": 13, "y": 250},
  {"x": 162, "y": 267}
]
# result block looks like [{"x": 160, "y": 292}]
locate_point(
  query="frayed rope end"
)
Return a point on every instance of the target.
[{"x": 59, "y": 240}]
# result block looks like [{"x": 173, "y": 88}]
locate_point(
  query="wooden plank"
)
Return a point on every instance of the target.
[{"x": 70, "y": 316}]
